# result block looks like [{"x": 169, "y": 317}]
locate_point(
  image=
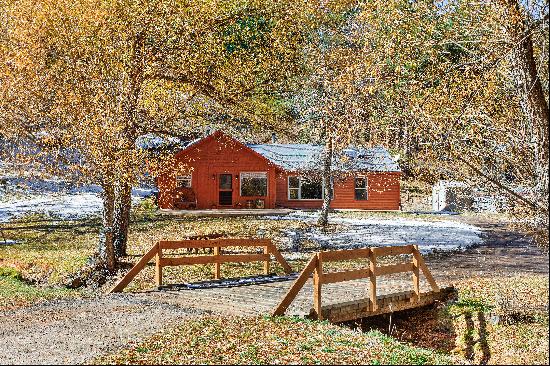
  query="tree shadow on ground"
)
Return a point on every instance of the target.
[{"x": 430, "y": 327}]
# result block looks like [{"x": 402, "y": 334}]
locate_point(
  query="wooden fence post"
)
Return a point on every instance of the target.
[
  {"x": 158, "y": 267},
  {"x": 217, "y": 265},
  {"x": 317, "y": 286},
  {"x": 372, "y": 276},
  {"x": 266, "y": 263},
  {"x": 416, "y": 276}
]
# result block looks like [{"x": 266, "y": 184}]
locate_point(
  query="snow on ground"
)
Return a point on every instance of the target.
[
  {"x": 75, "y": 203},
  {"x": 430, "y": 235}
]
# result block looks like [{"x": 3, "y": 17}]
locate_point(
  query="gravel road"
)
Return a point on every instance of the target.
[{"x": 76, "y": 331}]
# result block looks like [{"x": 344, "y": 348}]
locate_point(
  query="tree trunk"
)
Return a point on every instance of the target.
[
  {"x": 121, "y": 218},
  {"x": 534, "y": 103},
  {"x": 326, "y": 181},
  {"x": 106, "y": 247}
]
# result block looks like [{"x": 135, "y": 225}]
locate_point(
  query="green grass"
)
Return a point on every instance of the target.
[
  {"x": 15, "y": 292},
  {"x": 266, "y": 340},
  {"x": 47, "y": 252}
]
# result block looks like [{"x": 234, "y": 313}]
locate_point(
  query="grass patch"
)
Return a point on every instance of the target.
[
  {"x": 46, "y": 251},
  {"x": 266, "y": 340},
  {"x": 15, "y": 292},
  {"x": 502, "y": 320}
]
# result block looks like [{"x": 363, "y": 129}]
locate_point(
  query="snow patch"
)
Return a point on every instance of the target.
[
  {"x": 75, "y": 203},
  {"x": 429, "y": 235}
]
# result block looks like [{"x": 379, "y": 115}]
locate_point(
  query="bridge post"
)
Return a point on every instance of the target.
[
  {"x": 217, "y": 266},
  {"x": 416, "y": 277},
  {"x": 372, "y": 276},
  {"x": 158, "y": 267},
  {"x": 317, "y": 286},
  {"x": 266, "y": 263}
]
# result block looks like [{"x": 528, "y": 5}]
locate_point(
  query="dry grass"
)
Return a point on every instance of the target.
[
  {"x": 502, "y": 320},
  {"x": 214, "y": 340}
]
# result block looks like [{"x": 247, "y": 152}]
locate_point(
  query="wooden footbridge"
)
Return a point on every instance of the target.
[{"x": 346, "y": 289}]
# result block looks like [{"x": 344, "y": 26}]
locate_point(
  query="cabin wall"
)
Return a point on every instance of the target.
[
  {"x": 220, "y": 154},
  {"x": 206, "y": 162},
  {"x": 383, "y": 193}
]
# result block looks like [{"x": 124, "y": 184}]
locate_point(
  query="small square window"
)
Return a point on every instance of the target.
[{"x": 183, "y": 181}]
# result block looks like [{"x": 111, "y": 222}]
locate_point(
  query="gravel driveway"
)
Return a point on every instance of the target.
[{"x": 76, "y": 331}]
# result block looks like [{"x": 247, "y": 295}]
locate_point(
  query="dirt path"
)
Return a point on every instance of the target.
[{"x": 77, "y": 331}]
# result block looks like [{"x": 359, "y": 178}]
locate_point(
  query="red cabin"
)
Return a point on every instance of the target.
[{"x": 220, "y": 172}]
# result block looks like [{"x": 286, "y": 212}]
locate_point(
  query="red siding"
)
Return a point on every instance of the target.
[
  {"x": 383, "y": 193},
  {"x": 207, "y": 159}
]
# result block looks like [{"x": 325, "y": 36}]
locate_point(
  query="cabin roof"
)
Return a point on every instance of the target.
[{"x": 294, "y": 157}]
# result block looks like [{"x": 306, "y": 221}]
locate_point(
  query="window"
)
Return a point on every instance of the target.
[
  {"x": 254, "y": 184},
  {"x": 293, "y": 188},
  {"x": 183, "y": 181},
  {"x": 361, "y": 188},
  {"x": 300, "y": 188}
]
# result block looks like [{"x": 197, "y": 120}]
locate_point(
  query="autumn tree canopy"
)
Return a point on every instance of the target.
[{"x": 80, "y": 81}]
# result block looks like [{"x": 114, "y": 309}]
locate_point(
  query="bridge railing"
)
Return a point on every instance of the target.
[
  {"x": 320, "y": 277},
  {"x": 159, "y": 251}
]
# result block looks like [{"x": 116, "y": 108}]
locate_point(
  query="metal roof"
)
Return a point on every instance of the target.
[{"x": 294, "y": 157}]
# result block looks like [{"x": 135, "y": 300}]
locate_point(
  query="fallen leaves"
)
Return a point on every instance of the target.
[{"x": 265, "y": 340}]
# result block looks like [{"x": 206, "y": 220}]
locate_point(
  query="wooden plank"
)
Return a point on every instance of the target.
[
  {"x": 168, "y": 244},
  {"x": 416, "y": 280},
  {"x": 208, "y": 259},
  {"x": 296, "y": 287},
  {"x": 279, "y": 257},
  {"x": 135, "y": 269},
  {"x": 393, "y": 250},
  {"x": 372, "y": 268},
  {"x": 399, "y": 305},
  {"x": 217, "y": 266},
  {"x": 266, "y": 263},
  {"x": 342, "y": 276},
  {"x": 425, "y": 270},
  {"x": 317, "y": 286},
  {"x": 158, "y": 268},
  {"x": 394, "y": 268},
  {"x": 346, "y": 254}
]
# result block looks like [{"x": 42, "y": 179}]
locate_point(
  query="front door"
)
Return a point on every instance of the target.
[{"x": 225, "y": 190}]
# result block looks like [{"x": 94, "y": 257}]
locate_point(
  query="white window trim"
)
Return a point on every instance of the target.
[
  {"x": 184, "y": 177},
  {"x": 366, "y": 187},
  {"x": 300, "y": 190},
  {"x": 241, "y": 184}
]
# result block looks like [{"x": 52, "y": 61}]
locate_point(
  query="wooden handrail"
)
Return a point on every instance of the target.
[
  {"x": 135, "y": 269},
  {"x": 315, "y": 266},
  {"x": 296, "y": 287},
  {"x": 158, "y": 252}
]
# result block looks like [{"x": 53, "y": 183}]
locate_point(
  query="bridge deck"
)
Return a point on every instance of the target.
[{"x": 262, "y": 298}]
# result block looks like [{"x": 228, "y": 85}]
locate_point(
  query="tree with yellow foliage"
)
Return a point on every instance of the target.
[{"x": 81, "y": 80}]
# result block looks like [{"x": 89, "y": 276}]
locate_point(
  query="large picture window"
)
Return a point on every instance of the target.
[
  {"x": 254, "y": 184},
  {"x": 300, "y": 188},
  {"x": 183, "y": 181},
  {"x": 361, "y": 188}
]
